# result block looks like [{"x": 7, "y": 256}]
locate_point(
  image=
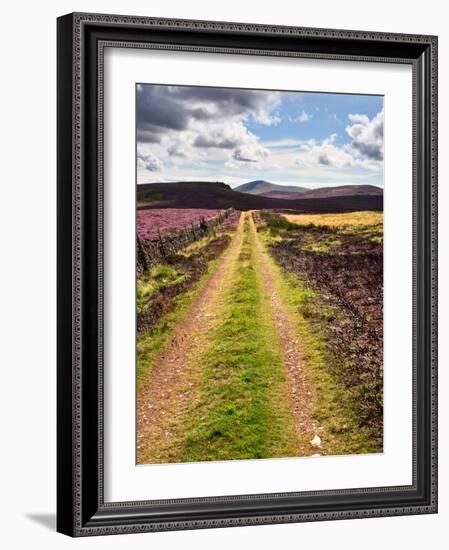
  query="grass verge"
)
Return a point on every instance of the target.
[
  {"x": 242, "y": 409},
  {"x": 333, "y": 408},
  {"x": 151, "y": 342},
  {"x": 159, "y": 276}
]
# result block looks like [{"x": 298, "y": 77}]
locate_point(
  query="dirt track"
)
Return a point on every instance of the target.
[
  {"x": 170, "y": 391},
  {"x": 171, "y": 384},
  {"x": 301, "y": 392}
]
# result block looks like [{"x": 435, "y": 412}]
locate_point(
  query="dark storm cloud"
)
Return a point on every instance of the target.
[
  {"x": 163, "y": 108},
  {"x": 215, "y": 141},
  {"x": 369, "y": 150},
  {"x": 156, "y": 110},
  {"x": 324, "y": 159},
  {"x": 228, "y": 101},
  {"x": 147, "y": 136}
]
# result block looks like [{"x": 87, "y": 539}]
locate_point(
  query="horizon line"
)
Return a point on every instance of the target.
[{"x": 266, "y": 181}]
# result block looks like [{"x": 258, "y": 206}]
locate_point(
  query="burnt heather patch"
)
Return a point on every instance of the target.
[{"x": 347, "y": 307}]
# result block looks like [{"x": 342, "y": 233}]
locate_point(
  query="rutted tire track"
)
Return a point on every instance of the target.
[
  {"x": 301, "y": 392},
  {"x": 171, "y": 384}
]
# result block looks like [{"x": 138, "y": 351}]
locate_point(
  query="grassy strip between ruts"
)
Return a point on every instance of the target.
[
  {"x": 333, "y": 408},
  {"x": 242, "y": 409},
  {"x": 152, "y": 342}
]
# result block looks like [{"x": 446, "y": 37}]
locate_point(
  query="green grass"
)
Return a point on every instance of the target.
[
  {"x": 374, "y": 233},
  {"x": 368, "y": 225},
  {"x": 320, "y": 243},
  {"x": 333, "y": 407},
  {"x": 152, "y": 342},
  {"x": 242, "y": 410},
  {"x": 159, "y": 276},
  {"x": 277, "y": 223},
  {"x": 239, "y": 404}
]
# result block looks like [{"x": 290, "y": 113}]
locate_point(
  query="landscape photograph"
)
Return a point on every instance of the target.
[{"x": 259, "y": 274}]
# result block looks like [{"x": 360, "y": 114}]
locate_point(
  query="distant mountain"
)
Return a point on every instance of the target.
[
  {"x": 339, "y": 191},
  {"x": 343, "y": 190},
  {"x": 280, "y": 195},
  {"x": 219, "y": 195},
  {"x": 261, "y": 187}
]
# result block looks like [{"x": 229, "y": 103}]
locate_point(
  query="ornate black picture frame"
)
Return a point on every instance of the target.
[{"x": 81, "y": 509}]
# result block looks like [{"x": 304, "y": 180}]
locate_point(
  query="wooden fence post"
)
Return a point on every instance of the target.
[{"x": 141, "y": 256}]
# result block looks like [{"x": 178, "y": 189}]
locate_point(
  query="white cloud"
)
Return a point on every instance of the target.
[
  {"x": 180, "y": 150},
  {"x": 222, "y": 135},
  {"x": 364, "y": 151},
  {"x": 304, "y": 117},
  {"x": 185, "y": 132},
  {"x": 355, "y": 118},
  {"x": 324, "y": 154},
  {"x": 149, "y": 162},
  {"x": 367, "y": 135},
  {"x": 283, "y": 143},
  {"x": 250, "y": 152},
  {"x": 183, "y": 125},
  {"x": 264, "y": 116},
  {"x": 163, "y": 108}
]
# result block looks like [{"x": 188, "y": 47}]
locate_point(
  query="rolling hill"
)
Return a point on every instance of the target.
[
  {"x": 259, "y": 187},
  {"x": 219, "y": 195},
  {"x": 339, "y": 191}
]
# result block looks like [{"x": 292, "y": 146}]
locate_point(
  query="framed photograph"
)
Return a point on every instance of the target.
[{"x": 246, "y": 274}]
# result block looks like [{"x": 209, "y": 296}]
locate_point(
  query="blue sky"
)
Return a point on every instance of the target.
[{"x": 234, "y": 135}]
